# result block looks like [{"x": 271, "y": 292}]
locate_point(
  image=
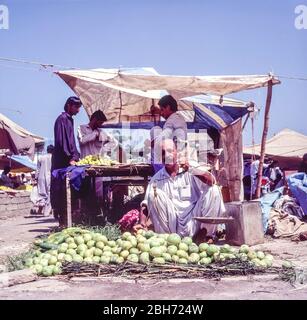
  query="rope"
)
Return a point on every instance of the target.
[
  {"x": 44, "y": 65},
  {"x": 293, "y": 78},
  {"x": 51, "y": 65}
]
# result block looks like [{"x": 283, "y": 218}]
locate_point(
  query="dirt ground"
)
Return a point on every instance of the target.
[{"x": 17, "y": 233}]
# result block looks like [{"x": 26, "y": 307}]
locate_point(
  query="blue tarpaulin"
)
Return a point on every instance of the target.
[
  {"x": 298, "y": 186},
  {"x": 205, "y": 116},
  {"x": 24, "y": 161},
  {"x": 266, "y": 203}
]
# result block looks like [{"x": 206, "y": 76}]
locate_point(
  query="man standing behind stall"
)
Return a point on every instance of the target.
[
  {"x": 175, "y": 125},
  {"x": 92, "y": 140},
  {"x": 65, "y": 153},
  {"x": 175, "y": 128}
]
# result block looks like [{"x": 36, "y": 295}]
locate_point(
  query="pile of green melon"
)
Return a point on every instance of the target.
[{"x": 81, "y": 245}]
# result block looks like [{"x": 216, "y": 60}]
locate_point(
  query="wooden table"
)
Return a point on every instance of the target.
[{"x": 129, "y": 174}]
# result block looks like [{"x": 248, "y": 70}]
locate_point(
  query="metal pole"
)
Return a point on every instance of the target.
[{"x": 264, "y": 136}]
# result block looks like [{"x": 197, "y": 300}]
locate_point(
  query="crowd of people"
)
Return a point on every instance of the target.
[{"x": 13, "y": 181}]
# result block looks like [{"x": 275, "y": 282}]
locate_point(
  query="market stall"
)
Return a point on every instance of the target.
[
  {"x": 112, "y": 175},
  {"x": 16, "y": 140},
  {"x": 17, "y": 149},
  {"x": 287, "y": 147},
  {"x": 127, "y": 96}
]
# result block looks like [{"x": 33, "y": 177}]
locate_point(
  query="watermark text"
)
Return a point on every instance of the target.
[{"x": 300, "y": 21}]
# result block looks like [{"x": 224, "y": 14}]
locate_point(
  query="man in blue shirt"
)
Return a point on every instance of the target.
[{"x": 65, "y": 154}]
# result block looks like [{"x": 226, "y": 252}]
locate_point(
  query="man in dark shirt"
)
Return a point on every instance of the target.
[
  {"x": 65, "y": 154},
  {"x": 65, "y": 151}
]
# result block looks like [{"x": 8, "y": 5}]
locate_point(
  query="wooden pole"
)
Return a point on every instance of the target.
[
  {"x": 68, "y": 201},
  {"x": 264, "y": 136},
  {"x": 121, "y": 106},
  {"x": 245, "y": 122},
  {"x": 120, "y": 137}
]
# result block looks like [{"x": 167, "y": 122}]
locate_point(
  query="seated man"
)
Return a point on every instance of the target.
[
  {"x": 5, "y": 179},
  {"x": 174, "y": 198}
]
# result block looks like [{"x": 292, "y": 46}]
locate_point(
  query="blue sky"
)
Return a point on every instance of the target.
[{"x": 175, "y": 37}]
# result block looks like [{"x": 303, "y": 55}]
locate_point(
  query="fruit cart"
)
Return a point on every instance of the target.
[{"x": 118, "y": 174}]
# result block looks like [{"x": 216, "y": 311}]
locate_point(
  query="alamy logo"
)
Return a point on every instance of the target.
[
  {"x": 4, "y": 17},
  {"x": 301, "y": 19}
]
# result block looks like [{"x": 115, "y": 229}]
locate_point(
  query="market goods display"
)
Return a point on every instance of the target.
[
  {"x": 146, "y": 247},
  {"x": 96, "y": 160},
  {"x": 25, "y": 187},
  {"x": 4, "y": 188}
]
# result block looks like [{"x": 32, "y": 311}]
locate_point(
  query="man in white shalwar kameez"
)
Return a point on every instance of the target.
[
  {"x": 94, "y": 141},
  {"x": 43, "y": 178},
  {"x": 175, "y": 128},
  {"x": 173, "y": 199}
]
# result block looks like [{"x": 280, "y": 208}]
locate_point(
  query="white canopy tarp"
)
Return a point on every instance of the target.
[
  {"x": 131, "y": 92},
  {"x": 189, "y": 85},
  {"x": 286, "y": 143},
  {"x": 18, "y": 129}
]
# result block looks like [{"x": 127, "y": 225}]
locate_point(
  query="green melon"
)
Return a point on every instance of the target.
[
  {"x": 182, "y": 254},
  {"x": 144, "y": 247},
  {"x": 98, "y": 252},
  {"x": 134, "y": 251},
  {"x": 155, "y": 252},
  {"x": 194, "y": 258},
  {"x": 182, "y": 261},
  {"x": 187, "y": 240},
  {"x": 144, "y": 258},
  {"x": 81, "y": 247},
  {"x": 96, "y": 259},
  {"x": 87, "y": 237},
  {"x": 260, "y": 255},
  {"x": 203, "y": 247},
  {"x": 155, "y": 243},
  {"x": 173, "y": 239},
  {"x": 244, "y": 249},
  {"x": 133, "y": 258},
  {"x": 53, "y": 260},
  {"x": 166, "y": 256},
  {"x": 183, "y": 246},
  {"x": 77, "y": 258},
  {"x": 212, "y": 249},
  {"x": 105, "y": 260},
  {"x": 126, "y": 245},
  {"x": 205, "y": 261},
  {"x": 193, "y": 248},
  {"x": 124, "y": 254},
  {"x": 172, "y": 250},
  {"x": 126, "y": 235},
  {"x": 225, "y": 248},
  {"x": 158, "y": 260}
]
